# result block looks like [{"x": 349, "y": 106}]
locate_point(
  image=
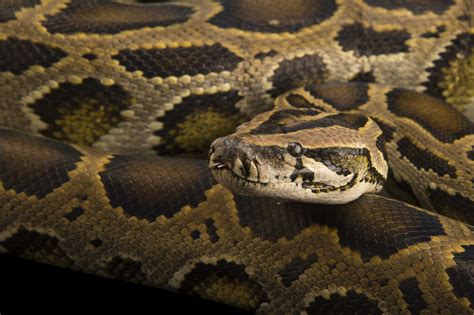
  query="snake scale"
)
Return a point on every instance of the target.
[{"x": 92, "y": 90}]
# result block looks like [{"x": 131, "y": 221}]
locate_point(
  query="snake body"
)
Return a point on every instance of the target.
[{"x": 134, "y": 80}]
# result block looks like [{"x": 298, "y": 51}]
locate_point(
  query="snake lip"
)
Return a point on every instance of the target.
[
  {"x": 217, "y": 163},
  {"x": 226, "y": 166},
  {"x": 220, "y": 165},
  {"x": 241, "y": 180}
]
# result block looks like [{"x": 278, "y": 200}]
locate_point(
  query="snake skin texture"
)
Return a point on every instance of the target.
[
  {"x": 118, "y": 216},
  {"x": 114, "y": 84}
]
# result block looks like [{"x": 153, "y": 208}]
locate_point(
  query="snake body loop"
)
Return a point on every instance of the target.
[{"x": 93, "y": 90}]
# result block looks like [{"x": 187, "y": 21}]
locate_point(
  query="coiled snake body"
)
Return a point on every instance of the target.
[{"x": 134, "y": 80}]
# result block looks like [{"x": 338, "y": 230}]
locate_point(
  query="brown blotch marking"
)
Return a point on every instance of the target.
[
  {"x": 380, "y": 144},
  {"x": 345, "y": 96},
  {"x": 107, "y": 17},
  {"x": 195, "y": 234},
  {"x": 75, "y": 213},
  {"x": 140, "y": 185},
  {"x": 126, "y": 269},
  {"x": 424, "y": 159},
  {"x": 89, "y": 56},
  {"x": 299, "y": 101},
  {"x": 292, "y": 115},
  {"x": 280, "y": 120},
  {"x": 464, "y": 18},
  {"x": 441, "y": 120},
  {"x": 81, "y": 113},
  {"x": 436, "y": 34},
  {"x": 275, "y": 16},
  {"x": 179, "y": 61},
  {"x": 337, "y": 304},
  {"x": 223, "y": 103},
  {"x": 33, "y": 165},
  {"x": 97, "y": 242},
  {"x": 295, "y": 268},
  {"x": 387, "y": 130},
  {"x": 225, "y": 282},
  {"x": 470, "y": 154},
  {"x": 301, "y": 71},
  {"x": 352, "y": 121},
  {"x": 8, "y": 9},
  {"x": 38, "y": 247},
  {"x": 459, "y": 46},
  {"x": 286, "y": 121},
  {"x": 367, "y": 77},
  {"x": 401, "y": 190},
  {"x": 412, "y": 295},
  {"x": 461, "y": 275},
  {"x": 365, "y": 41},
  {"x": 263, "y": 55},
  {"x": 211, "y": 230},
  {"x": 18, "y": 55},
  {"x": 456, "y": 207},
  {"x": 383, "y": 281},
  {"x": 415, "y": 6},
  {"x": 354, "y": 222}
]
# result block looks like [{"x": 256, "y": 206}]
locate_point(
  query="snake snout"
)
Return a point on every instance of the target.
[
  {"x": 233, "y": 155},
  {"x": 221, "y": 154}
]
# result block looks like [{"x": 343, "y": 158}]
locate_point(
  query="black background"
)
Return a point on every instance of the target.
[{"x": 31, "y": 288}]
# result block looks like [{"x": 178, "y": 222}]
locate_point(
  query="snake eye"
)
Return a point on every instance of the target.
[{"x": 295, "y": 149}]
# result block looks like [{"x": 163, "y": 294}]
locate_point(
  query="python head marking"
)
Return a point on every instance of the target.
[{"x": 302, "y": 155}]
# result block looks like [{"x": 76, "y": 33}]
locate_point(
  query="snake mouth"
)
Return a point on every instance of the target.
[
  {"x": 226, "y": 167},
  {"x": 244, "y": 186},
  {"x": 240, "y": 174},
  {"x": 224, "y": 172},
  {"x": 307, "y": 192},
  {"x": 285, "y": 188}
]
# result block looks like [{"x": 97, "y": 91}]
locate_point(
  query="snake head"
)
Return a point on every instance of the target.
[{"x": 301, "y": 155}]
